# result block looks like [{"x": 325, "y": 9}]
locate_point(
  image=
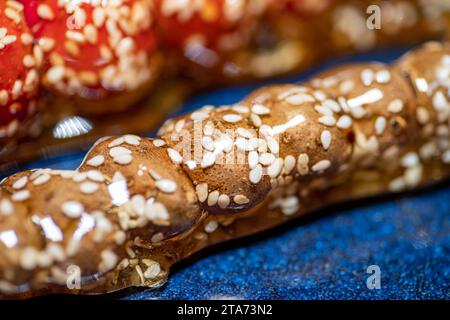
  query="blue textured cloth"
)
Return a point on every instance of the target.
[{"x": 408, "y": 237}]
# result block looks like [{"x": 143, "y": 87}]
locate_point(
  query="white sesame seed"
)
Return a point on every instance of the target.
[
  {"x": 260, "y": 109},
  {"x": 95, "y": 175},
  {"x": 327, "y": 121},
  {"x": 395, "y": 106},
  {"x": 117, "y": 151},
  {"x": 153, "y": 270},
  {"x": 79, "y": 176},
  {"x": 240, "y": 109},
  {"x": 380, "y": 125},
  {"x": 223, "y": 201},
  {"x": 383, "y": 76},
  {"x": 211, "y": 226},
  {"x": 241, "y": 199},
  {"x": 41, "y": 179},
  {"x": 244, "y": 133},
  {"x": 266, "y": 159},
  {"x": 20, "y": 183},
  {"x": 439, "y": 102},
  {"x": 253, "y": 159},
  {"x": 255, "y": 174},
  {"x": 174, "y": 155},
  {"x": 166, "y": 185},
  {"x": 109, "y": 260},
  {"x": 208, "y": 159},
  {"x": 28, "y": 258},
  {"x": 289, "y": 205},
  {"x": 55, "y": 74},
  {"x": 275, "y": 168},
  {"x": 45, "y": 12},
  {"x": 410, "y": 159},
  {"x": 289, "y": 164},
  {"x": 325, "y": 139},
  {"x": 88, "y": 187},
  {"x": 208, "y": 143},
  {"x": 156, "y": 212},
  {"x": 6, "y": 207},
  {"x": 423, "y": 116},
  {"x": 96, "y": 161},
  {"x": 232, "y": 118},
  {"x": 324, "y": 110},
  {"x": 397, "y": 185},
  {"x": 116, "y": 142},
  {"x": 367, "y": 77},
  {"x": 299, "y": 98},
  {"x": 202, "y": 191},
  {"x": 273, "y": 145},
  {"x": 159, "y": 143},
  {"x": 132, "y": 139},
  {"x": 321, "y": 165},
  {"x": 72, "y": 209},
  {"x": 344, "y": 122},
  {"x": 213, "y": 197},
  {"x": 256, "y": 120},
  {"x": 123, "y": 159},
  {"x": 346, "y": 86}
]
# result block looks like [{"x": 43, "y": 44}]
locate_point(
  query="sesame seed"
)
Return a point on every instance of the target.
[
  {"x": 244, "y": 133},
  {"x": 327, "y": 121},
  {"x": 45, "y": 12},
  {"x": 174, "y": 155},
  {"x": 397, "y": 185},
  {"x": 439, "y": 102},
  {"x": 299, "y": 98},
  {"x": 28, "y": 258},
  {"x": 88, "y": 187},
  {"x": 325, "y": 139},
  {"x": 166, "y": 185},
  {"x": 6, "y": 207},
  {"x": 380, "y": 125},
  {"x": 395, "y": 106},
  {"x": 255, "y": 174},
  {"x": 232, "y": 118},
  {"x": 123, "y": 159},
  {"x": 289, "y": 164},
  {"x": 241, "y": 199},
  {"x": 275, "y": 168},
  {"x": 20, "y": 183},
  {"x": 46, "y": 44},
  {"x": 410, "y": 159},
  {"x": 423, "y": 116},
  {"x": 208, "y": 143},
  {"x": 289, "y": 205},
  {"x": 95, "y": 175},
  {"x": 159, "y": 143},
  {"x": 79, "y": 176},
  {"x": 240, "y": 109},
  {"x": 41, "y": 179},
  {"x": 266, "y": 159},
  {"x": 208, "y": 159},
  {"x": 153, "y": 269},
  {"x": 346, "y": 86},
  {"x": 179, "y": 125},
  {"x": 383, "y": 76},
  {"x": 117, "y": 151},
  {"x": 256, "y": 120},
  {"x": 273, "y": 145},
  {"x": 344, "y": 122},
  {"x": 223, "y": 201},
  {"x": 367, "y": 77},
  {"x": 213, "y": 197},
  {"x": 260, "y": 109},
  {"x": 96, "y": 161},
  {"x": 332, "y": 105},
  {"x": 202, "y": 191},
  {"x": 211, "y": 226},
  {"x": 116, "y": 142},
  {"x": 109, "y": 260},
  {"x": 253, "y": 159},
  {"x": 72, "y": 209},
  {"x": 4, "y": 97},
  {"x": 55, "y": 74},
  {"x": 321, "y": 165}
]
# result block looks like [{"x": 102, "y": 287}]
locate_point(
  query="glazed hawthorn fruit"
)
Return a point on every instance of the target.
[
  {"x": 205, "y": 31},
  {"x": 99, "y": 55},
  {"x": 19, "y": 78}
]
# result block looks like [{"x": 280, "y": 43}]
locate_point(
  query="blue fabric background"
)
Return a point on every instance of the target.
[{"x": 323, "y": 257}]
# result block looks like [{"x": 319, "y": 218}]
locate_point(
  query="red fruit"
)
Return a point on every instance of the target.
[
  {"x": 92, "y": 48},
  {"x": 18, "y": 75},
  {"x": 215, "y": 24}
]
